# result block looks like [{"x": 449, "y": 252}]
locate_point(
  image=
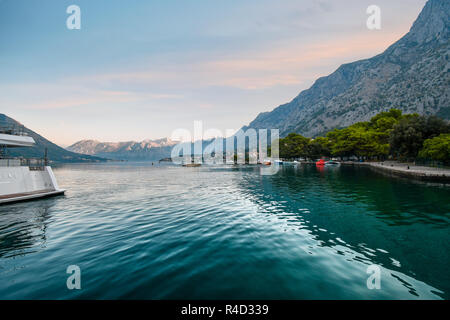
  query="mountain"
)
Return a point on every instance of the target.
[
  {"x": 413, "y": 75},
  {"x": 131, "y": 150},
  {"x": 54, "y": 152}
]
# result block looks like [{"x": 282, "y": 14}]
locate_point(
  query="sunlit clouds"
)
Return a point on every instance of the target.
[{"x": 165, "y": 65}]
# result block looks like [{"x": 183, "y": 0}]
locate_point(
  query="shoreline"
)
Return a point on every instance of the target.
[{"x": 401, "y": 170}]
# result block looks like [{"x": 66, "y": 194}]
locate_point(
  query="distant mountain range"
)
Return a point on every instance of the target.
[
  {"x": 131, "y": 150},
  {"x": 54, "y": 152},
  {"x": 413, "y": 75}
]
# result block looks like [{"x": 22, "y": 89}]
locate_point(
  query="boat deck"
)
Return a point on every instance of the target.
[{"x": 30, "y": 195}]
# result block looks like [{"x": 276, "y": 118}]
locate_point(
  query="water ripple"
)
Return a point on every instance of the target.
[{"x": 140, "y": 231}]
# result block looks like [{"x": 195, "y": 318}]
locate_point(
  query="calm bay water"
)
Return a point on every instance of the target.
[{"x": 167, "y": 232}]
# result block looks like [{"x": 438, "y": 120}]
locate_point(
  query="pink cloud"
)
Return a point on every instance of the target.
[{"x": 289, "y": 64}]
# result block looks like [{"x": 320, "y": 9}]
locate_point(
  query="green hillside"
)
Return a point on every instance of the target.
[{"x": 55, "y": 153}]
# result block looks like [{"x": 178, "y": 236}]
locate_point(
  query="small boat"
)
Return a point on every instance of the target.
[
  {"x": 280, "y": 162},
  {"x": 192, "y": 165},
  {"x": 320, "y": 163},
  {"x": 332, "y": 163}
]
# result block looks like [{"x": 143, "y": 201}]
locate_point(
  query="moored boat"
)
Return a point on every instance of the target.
[
  {"x": 23, "y": 179},
  {"x": 320, "y": 163},
  {"x": 192, "y": 165},
  {"x": 332, "y": 163}
]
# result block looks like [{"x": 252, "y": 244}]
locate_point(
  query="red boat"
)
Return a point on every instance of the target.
[{"x": 320, "y": 163}]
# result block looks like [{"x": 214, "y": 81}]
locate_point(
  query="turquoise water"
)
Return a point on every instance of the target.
[{"x": 167, "y": 232}]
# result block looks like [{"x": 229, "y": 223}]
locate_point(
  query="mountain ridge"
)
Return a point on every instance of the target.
[
  {"x": 128, "y": 150},
  {"x": 54, "y": 152},
  {"x": 412, "y": 74}
]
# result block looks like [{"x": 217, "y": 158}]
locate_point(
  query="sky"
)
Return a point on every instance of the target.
[{"x": 139, "y": 69}]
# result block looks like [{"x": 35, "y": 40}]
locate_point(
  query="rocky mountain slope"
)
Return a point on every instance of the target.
[
  {"x": 54, "y": 152},
  {"x": 413, "y": 75},
  {"x": 131, "y": 150}
]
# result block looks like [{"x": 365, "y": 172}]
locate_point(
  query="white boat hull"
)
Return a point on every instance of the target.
[
  {"x": 20, "y": 184},
  {"x": 31, "y": 196}
]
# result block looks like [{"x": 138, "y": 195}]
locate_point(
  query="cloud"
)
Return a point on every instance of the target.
[
  {"x": 286, "y": 64},
  {"x": 67, "y": 94}
]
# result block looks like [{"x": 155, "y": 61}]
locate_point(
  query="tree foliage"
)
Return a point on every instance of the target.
[
  {"x": 387, "y": 133},
  {"x": 365, "y": 139},
  {"x": 293, "y": 146},
  {"x": 317, "y": 148},
  {"x": 437, "y": 148},
  {"x": 409, "y": 134}
]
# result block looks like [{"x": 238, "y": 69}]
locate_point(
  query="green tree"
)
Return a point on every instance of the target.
[
  {"x": 360, "y": 139},
  {"x": 384, "y": 122},
  {"x": 437, "y": 148},
  {"x": 340, "y": 143},
  {"x": 409, "y": 134},
  {"x": 293, "y": 146},
  {"x": 318, "y": 148},
  {"x": 402, "y": 135},
  {"x": 369, "y": 143}
]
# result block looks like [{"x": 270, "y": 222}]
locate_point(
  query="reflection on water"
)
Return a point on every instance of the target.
[
  {"x": 140, "y": 231},
  {"x": 381, "y": 219},
  {"x": 22, "y": 228}
]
